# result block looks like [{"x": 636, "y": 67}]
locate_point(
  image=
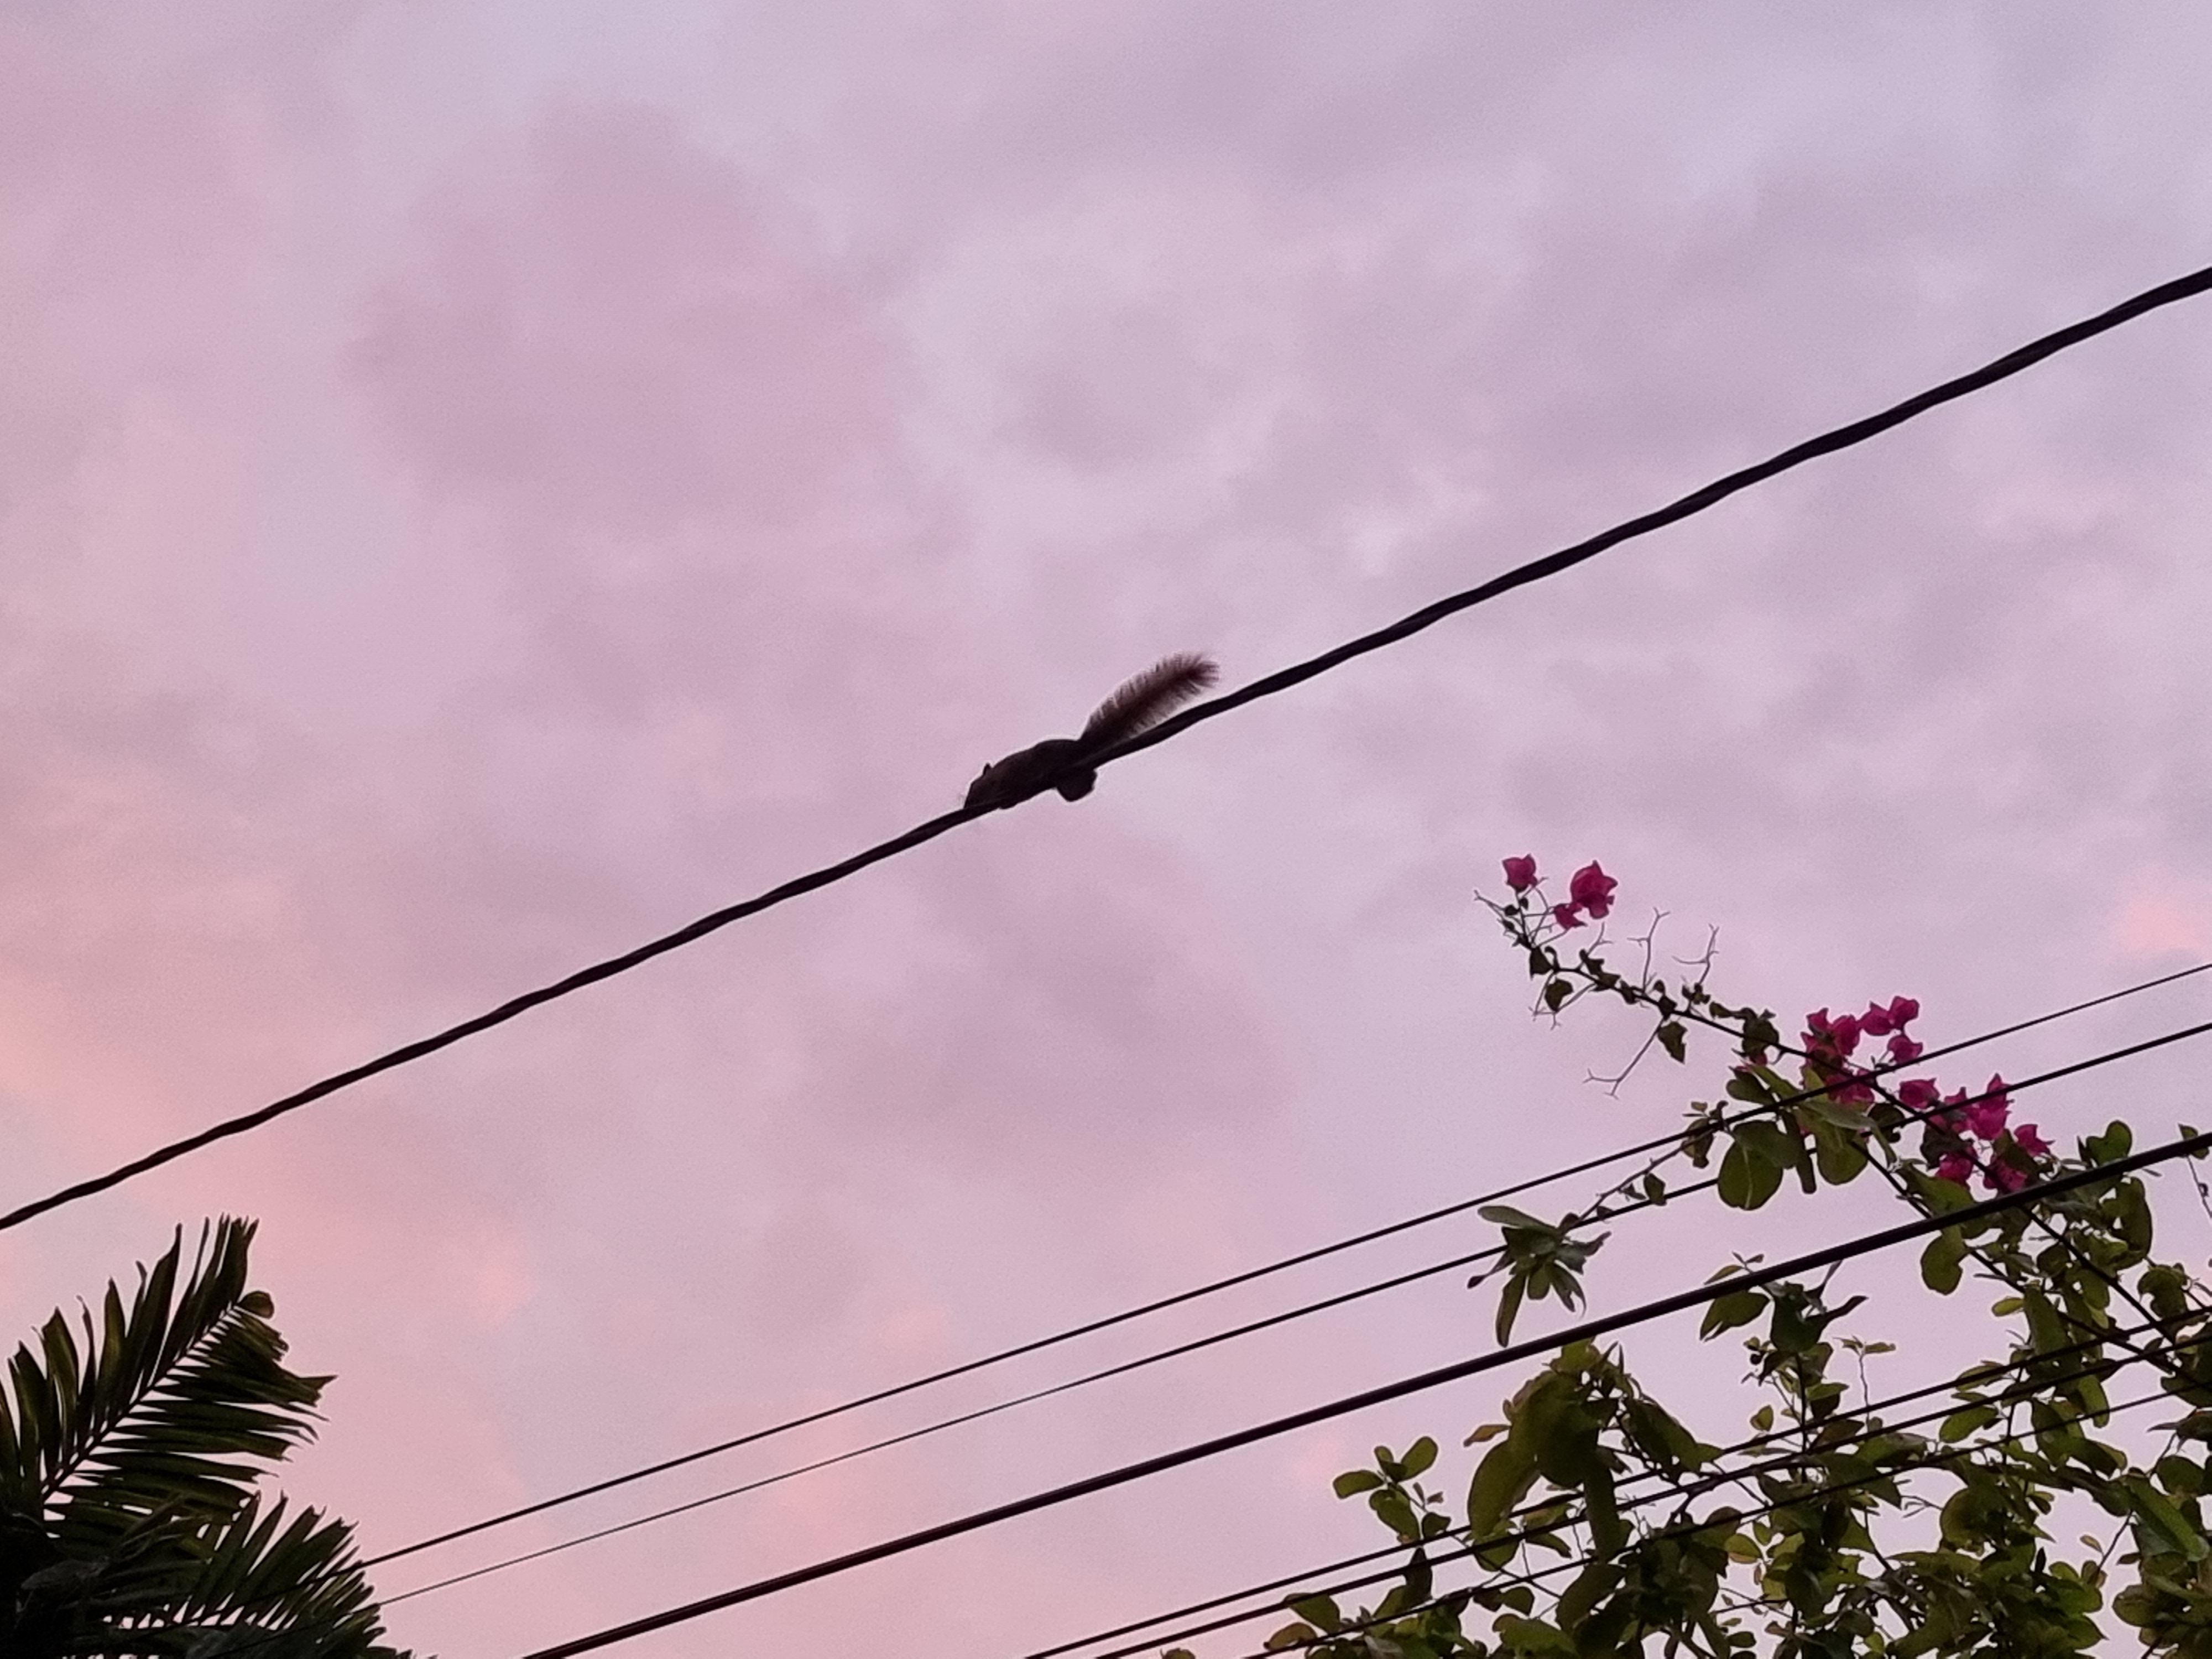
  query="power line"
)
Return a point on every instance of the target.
[
  {"x": 1586, "y": 1330},
  {"x": 1249, "y": 1275},
  {"x": 1673, "y": 1489},
  {"x": 1596, "y": 1218},
  {"x": 1212, "y": 1340},
  {"x": 1828, "y": 443},
  {"x": 1973, "y": 1376},
  {"x": 1552, "y": 564},
  {"x": 1688, "y": 1528}
]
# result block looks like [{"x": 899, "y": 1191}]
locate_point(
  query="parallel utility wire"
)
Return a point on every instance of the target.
[
  {"x": 938, "y": 1426},
  {"x": 1690, "y": 1528},
  {"x": 1586, "y": 1330},
  {"x": 1037, "y": 1344},
  {"x": 1552, "y": 564},
  {"x": 672, "y": 1512},
  {"x": 2022, "y": 1086},
  {"x": 1307, "y": 1583},
  {"x": 1975, "y": 1376}
]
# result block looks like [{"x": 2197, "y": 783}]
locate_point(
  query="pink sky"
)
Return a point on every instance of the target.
[{"x": 481, "y": 485}]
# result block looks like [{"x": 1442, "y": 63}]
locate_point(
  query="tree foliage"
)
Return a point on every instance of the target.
[
  {"x": 132, "y": 1446},
  {"x": 1596, "y": 1522}
]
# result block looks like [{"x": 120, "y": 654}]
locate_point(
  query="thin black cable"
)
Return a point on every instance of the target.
[
  {"x": 1843, "y": 437},
  {"x": 1196, "y": 1344},
  {"x": 1677, "y": 1489},
  {"x": 1586, "y": 1330},
  {"x": 1300, "y": 1259},
  {"x": 1596, "y": 1217},
  {"x": 2115, "y": 1333},
  {"x": 1684, "y": 1530},
  {"x": 1972, "y": 1377},
  {"x": 1156, "y": 1357},
  {"x": 669, "y": 1512}
]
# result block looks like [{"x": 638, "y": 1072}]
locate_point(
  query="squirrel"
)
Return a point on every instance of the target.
[{"x": 1143, "y": 700}]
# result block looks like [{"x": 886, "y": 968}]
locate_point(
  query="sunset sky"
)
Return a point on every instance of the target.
[{"x": 481, "y": 485}]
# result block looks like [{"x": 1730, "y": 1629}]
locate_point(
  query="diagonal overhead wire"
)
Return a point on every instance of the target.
[
  {"x": 1935, "y": 1460},
  {"x": 939, "y": 1426},
  {"x": 1373, "y": 1288},
  {"x": 1513, "y": 1190},
  {"x": 1585, "y": 1331},
  {"x": 1678, "y": 1489},
  {"x": 1552, "y": 564},
  {"x": 1213, "y": 1339}
]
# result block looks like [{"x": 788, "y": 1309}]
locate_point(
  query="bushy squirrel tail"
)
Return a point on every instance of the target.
[{"x": 1146, "y": 699}]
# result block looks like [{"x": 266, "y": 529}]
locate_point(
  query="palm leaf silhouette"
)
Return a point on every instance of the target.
[{"x": 132, "y": 1446}]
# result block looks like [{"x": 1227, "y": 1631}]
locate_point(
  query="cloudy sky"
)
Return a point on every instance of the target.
[{"x": 483, "y": 483}]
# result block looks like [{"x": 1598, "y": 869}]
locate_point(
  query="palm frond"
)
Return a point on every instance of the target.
[
  {"x": 167, "y": 1407},
  {"x": 130, "y": 1450},
  {"x": 246, "y": 1583}
]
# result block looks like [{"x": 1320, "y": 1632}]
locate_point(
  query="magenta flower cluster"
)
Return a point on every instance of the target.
[
  {"x": 2007, "y": 1154},
  {"x": 1589, "y": 891},
  {"x": 1963, "y": 1134},
  {"x": 1830, "y": 1043}
]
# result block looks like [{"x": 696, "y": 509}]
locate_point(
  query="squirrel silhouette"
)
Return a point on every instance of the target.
[{"x": 1142, "y": 701}]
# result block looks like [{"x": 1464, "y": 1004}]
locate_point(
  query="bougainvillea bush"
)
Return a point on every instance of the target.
[{"x": 1592, "y": 1519}]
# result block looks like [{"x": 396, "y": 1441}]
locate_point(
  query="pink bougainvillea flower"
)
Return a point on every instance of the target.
[
  {"x": 1592, "y": 889},
  {"x": 1903, "y": 1050},
  {"x": 1831, "y": 1038},
  {"x": 1903, "y": 1011},
  {"x": 1955, "y": 1166},
  {"x": 1876, "y": 1022},
  {"x": 1521, "y": 874},
  {"x": 2005, "y": 1177},
  {"x": 1857, "y": 1092},
  {"x": 2026, "y": 1137},
  {"x": 1567, "y": 916},
  {"x": 1986, "y": 1117},
  {"x": 1917, "y": 1094},
  {"x": 1832, "y": 1045}
]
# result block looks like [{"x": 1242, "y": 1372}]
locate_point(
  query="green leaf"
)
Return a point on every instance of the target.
[
  {"x": 1942, "y": 1263},
  {"x": 1727, "y": 1312},
  {"x": 1504, "y": 1215},
  {"x": 1839, "y": 1152},
  {"x": 1501, "y": 1480},
  {"x": 1593, "y": 1584},
  {"x": 1509, "y": 1308},
  {"x": 2115, "y": 1143},
  {"x": 1418, "y": 1458},
  {"x": 2160, "y": 1525},
  {"x": 1672, "y": 1038},
  {"x": 1353, "y": 1482},
  {"x": 1941, "y": 1197},
  {"x": 1562, "y": 1432},
  {"x": 1752, "y": 1168},
  {"x": 1960, "y": 1423}
]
